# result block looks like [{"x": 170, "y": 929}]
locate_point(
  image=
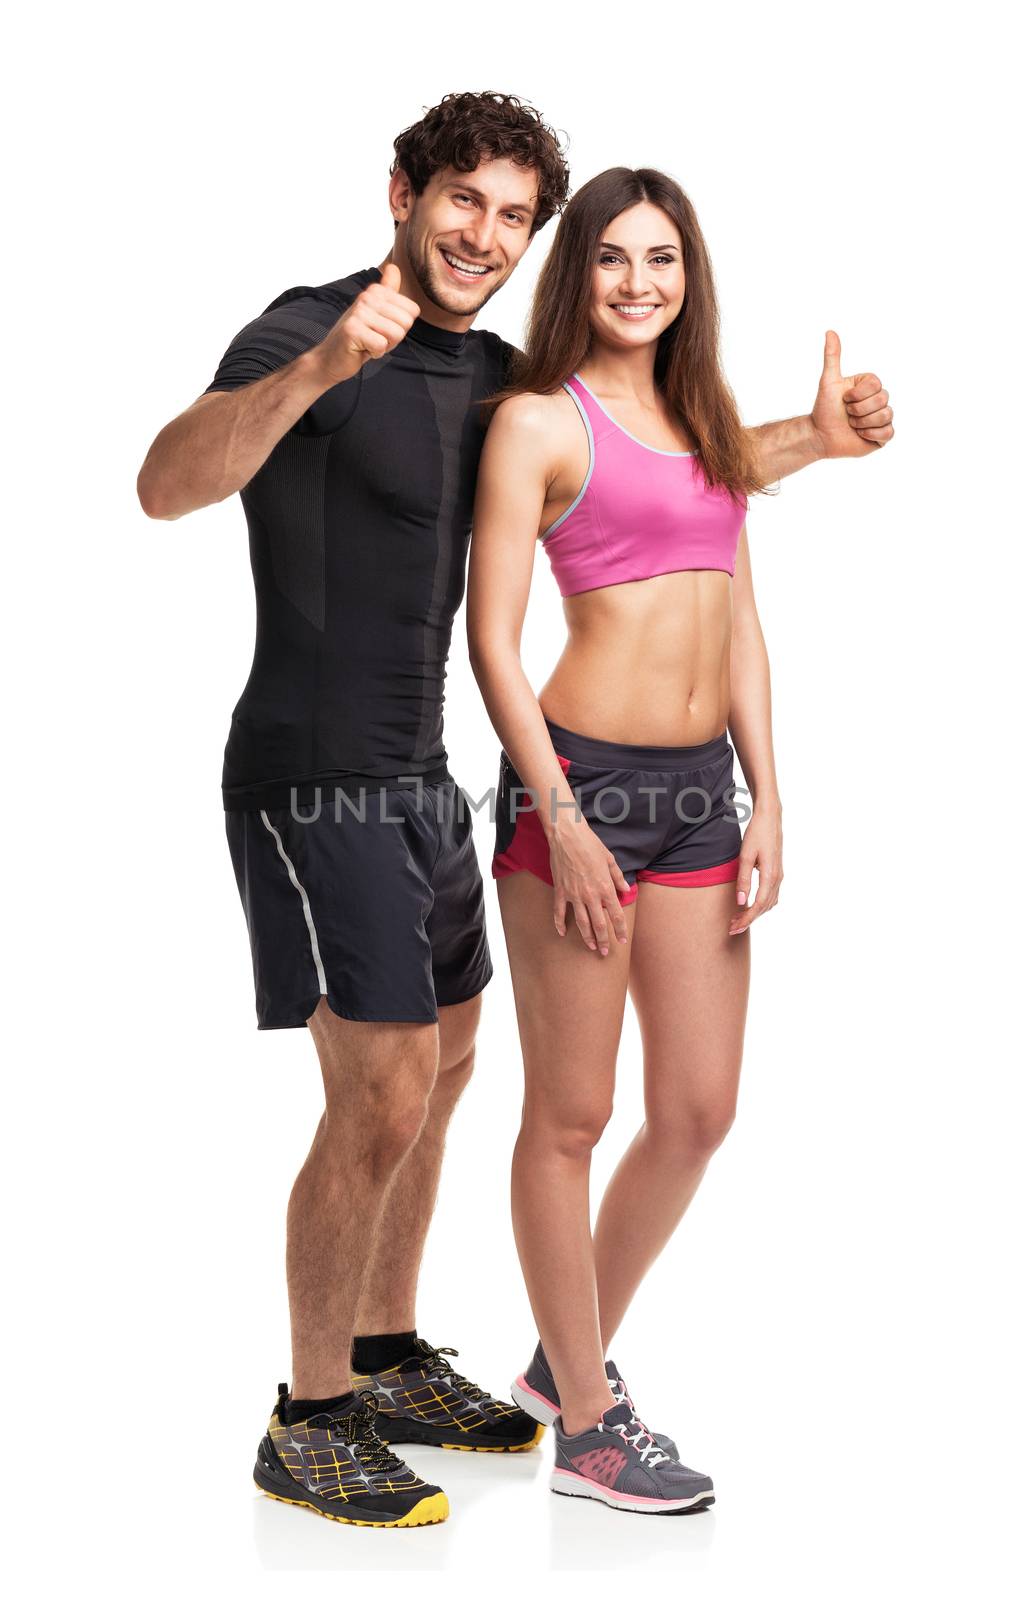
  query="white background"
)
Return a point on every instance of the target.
[{"x": 837, "y": 1332}]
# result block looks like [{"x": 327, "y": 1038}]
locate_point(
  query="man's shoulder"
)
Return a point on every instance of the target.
[
  {"x": 296, "y": 320},
  {"x": 322, "y": 302},
  {"x": 496, "y": 353}
]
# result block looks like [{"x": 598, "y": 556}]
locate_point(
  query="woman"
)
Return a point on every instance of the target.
[{"x": 620, "y": 446}]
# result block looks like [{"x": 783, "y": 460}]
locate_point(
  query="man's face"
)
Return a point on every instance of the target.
[{"x": 465, "y": 233}]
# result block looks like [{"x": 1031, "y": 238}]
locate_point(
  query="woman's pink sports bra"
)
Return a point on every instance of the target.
[{"x": 640, "y": 511}]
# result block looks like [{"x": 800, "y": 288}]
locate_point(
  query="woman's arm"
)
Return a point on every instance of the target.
[
  {"x": 851, "y": 417},
  {"x": 749, "y": 723},
  {"x": 518, "y": 466}
]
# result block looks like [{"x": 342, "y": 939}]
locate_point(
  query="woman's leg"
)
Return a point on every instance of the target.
[
  {"x": 570, "y": 1005},
  {"x": 689, "y": 983}
]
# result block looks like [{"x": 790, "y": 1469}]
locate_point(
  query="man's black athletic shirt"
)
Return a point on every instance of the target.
[{"x": 359, "y": 523}]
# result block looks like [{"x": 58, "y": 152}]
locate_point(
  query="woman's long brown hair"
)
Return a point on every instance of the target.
[{"x": 688, "y": 365}]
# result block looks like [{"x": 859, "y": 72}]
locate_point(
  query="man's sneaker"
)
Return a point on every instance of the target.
[
  {"x": 338, "y": 1466},
  {"x": 536, "y": 1392},
  {"x": 425, "y": 1401},
  {"x": 619, "y": 1463}
]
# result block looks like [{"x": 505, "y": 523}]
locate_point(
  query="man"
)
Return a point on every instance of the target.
[{"x": 347, "y": 417}]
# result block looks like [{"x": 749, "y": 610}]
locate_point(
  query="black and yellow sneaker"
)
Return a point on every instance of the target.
[
  {"x": 424, "y": 1400},
  {"x": 338, "y": 1466}
]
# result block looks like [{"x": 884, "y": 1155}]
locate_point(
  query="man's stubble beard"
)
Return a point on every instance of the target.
[{"x": 422, "y": 273}]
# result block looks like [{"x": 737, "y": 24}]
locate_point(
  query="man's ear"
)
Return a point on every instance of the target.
[{"x": 400, "y": 195}]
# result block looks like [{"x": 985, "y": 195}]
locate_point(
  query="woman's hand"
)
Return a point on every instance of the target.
[
  {"x": 586, "y": 876},
  {"x": 761, "y": 853}
]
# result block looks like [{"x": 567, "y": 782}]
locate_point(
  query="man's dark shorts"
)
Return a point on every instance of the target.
[{"x": 375, "y": 901}]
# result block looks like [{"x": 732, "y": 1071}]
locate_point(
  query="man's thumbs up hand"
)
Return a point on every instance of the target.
[
  {"x": 377, "y": 320},
  {"x": 832, "y": 354}
]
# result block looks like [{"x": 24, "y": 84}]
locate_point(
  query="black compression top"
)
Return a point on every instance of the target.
[{"x": 359, "y": 523}]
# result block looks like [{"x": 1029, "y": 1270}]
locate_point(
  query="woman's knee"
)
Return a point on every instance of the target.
[
  {"x": 573, "y": 1134},
  {"x": 696, "y": 1128}
]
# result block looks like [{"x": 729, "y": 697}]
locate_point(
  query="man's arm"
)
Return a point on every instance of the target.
[
  {"x": 218, "y": 444},
  {"x": 851, "y": 417}
]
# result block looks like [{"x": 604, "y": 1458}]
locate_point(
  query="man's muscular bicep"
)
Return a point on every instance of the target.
[{"x": 206, "y": 400}]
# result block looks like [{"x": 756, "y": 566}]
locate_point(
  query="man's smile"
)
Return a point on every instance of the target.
[{"x": 462, "y": 269}]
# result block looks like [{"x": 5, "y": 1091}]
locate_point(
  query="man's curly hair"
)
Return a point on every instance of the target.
[{"x": 466, "y": 129}]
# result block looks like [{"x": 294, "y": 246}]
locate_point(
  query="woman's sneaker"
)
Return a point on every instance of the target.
[
  {"x": 535, "y": 1391},
  {"x": 337, "y": 1465},
  {"x": 619, "y": 1463}
]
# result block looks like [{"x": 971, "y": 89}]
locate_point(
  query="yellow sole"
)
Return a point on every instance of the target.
[
  {"x": 433, "y": 1509},
  {"x": 499, "y": 1449}
]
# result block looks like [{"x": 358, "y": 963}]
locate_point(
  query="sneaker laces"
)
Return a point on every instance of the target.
[
  {"x": 643, "y": 1442},
  {"x": 358, "y": 1430},
  {"x": 438, "y": 1367},
  {"x": 619, "y": 1390}
]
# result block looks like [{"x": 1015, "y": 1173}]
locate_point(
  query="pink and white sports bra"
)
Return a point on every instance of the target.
[{"x": 640, "y": 511}]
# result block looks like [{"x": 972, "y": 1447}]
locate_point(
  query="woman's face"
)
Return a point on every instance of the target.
[{"x": 638, "y": 283}]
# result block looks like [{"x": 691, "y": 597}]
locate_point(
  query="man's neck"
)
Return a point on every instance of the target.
[{"x": 428, "y": 310}]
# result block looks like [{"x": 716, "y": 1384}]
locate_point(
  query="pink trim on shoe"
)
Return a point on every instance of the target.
[
  {"x": 618, "y": 1494},
  {"x": 522, "y": 1383},
  {"x": 603, "y": 1465}
]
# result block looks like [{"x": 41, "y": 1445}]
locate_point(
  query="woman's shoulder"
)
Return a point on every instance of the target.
[{"x": 534, "y": 418}]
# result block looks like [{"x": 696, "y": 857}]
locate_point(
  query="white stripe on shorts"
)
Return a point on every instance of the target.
[{"x": 306, "y": 908}]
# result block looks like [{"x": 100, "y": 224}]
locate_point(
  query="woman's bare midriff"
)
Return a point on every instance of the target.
[{"x": 647, "y": 662}]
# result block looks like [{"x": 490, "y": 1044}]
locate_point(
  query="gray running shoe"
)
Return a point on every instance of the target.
[
  {"x": 535, "y": 1391},
  {"x": 619, "y": 1463}
]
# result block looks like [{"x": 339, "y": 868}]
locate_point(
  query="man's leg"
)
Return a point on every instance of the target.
[
  {"x": 388, "y": 1300},
  {"x": 422, "y": 1398},
  {"x": 379, "y": 1079}
]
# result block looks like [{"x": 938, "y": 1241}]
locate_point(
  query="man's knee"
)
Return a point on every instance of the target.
[
  {"x": 379, "y": 1078},
  {"x": 457, "y": 1029},
  {"x": 453, "y": 1078},
  {"x": 397, "y": 1123},
  {"x": 397, "y": 1111}
]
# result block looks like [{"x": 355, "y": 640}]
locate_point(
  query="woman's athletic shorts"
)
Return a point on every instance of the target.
[
  {"x": 375, "y": 902},
  {"x": 667, "y": 813}
]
